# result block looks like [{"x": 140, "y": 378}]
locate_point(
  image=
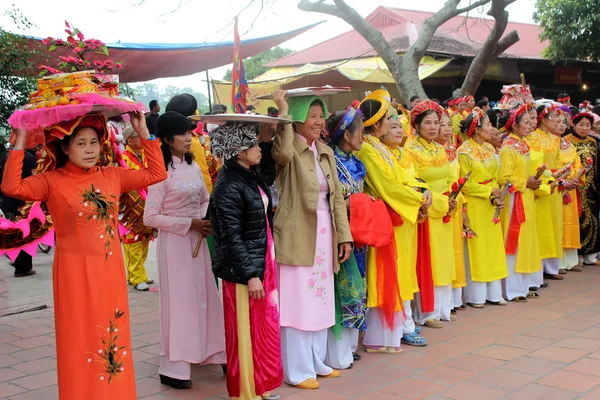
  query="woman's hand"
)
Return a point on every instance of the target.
[
  {"x": 255, "y": 289},
  {"x": 465, "y": 217},
  {"x": 533, "y": 183},
  {"x": 266, "y": 133},
  {"x": 345, "y": 249},
  {"x": 20, "y": 138},
  {"x": 451, "y": 204},
  {"x": 428, "y": 198},
  {"x": 496, "y": 192},
  {"x": 138, "y": 123},
  {"x": 498, "y": 203},
  {"x": 202, "y": 226},
  {"x": 280, "y": 101}
]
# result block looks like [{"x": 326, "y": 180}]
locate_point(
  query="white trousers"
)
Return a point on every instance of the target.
[
  {"x": 408, "y": 326},
  {"x": 339, "y": 351},
  {"x": 479, "y": 292},
  {"x": 537, "y": 278},
  {"x": 442, "y": 296},
  {"x": 516, "y": 284},
  {"x": 457, "y": 300},
  {"x": 378, "y": 334},
  {"x": 589, "y": 258},
  {"x": 174, "y": 369},
  {"x": 303, "y": 354},
  {"x": 551, "y": 265},
  {"x": 569, "y": 259}
]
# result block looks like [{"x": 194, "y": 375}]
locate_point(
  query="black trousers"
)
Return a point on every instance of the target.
[{"x": 23, "y": 263}]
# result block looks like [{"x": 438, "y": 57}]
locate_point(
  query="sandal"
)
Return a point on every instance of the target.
[
  {"x": 461, "y": 307},
  {"x": 418, "y": 329},
  {"x": 520, "y": 299},
  {"x": 577, "y": 268},
  {"x": 476, "y": 305},
  {"x": 544, "y": 285},
  {"x": 452, "y": 317},
  {"x": 533, "y": 294},
  {"x": 533, "y": 289},
  {"x": 356, "y": 357},
  {"x": 498, "y": 303},
  {"x": 555, "y": 277},
  {"x": 393, "y": 350},
  {"x": 434, "y": 323},
  {"x": 376, "y": 349},
  {"x": 413, "y": 339},
  {"x": 562, "y": 271}
]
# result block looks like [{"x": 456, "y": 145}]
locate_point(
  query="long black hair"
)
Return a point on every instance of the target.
[{"x": 165, "y": 147}]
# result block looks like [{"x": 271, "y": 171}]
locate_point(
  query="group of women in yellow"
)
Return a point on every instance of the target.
[{"x": 383, "y": 226}]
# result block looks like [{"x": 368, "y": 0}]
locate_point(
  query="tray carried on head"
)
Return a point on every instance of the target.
[
  {"x": 309, "y": 91},
  {"x": 247, "y": 118}
]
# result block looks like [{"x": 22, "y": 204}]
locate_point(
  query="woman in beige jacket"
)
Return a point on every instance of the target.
[{"x": 312, "y": 238}]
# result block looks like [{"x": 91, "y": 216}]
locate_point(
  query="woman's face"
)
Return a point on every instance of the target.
[
  {"x": 596, "y": 127},
  {"x": 251, "y": 156},
  {"x": 583, "y": 127},
  {"x": 314, "y": 124},
  {"x": 445, "y": 130},
  {"x": 485, "y": 131},
  {"x": 429, "y": 127},
  {"x": 495, "y": 138},
  {"x": 84, "y": 148},
  {"x": 551, "y": 122},
  {"x": 471, "y": 103},
  {"x": 523, "y": 128},
  {"x": 532, "y": 119},
  {"x": 355, "y": 138},
  {"x": 395, "y": 134},
  {"x": 561, "y": 124},
  {"x": 181, "y": 144},
  {"x": 461, "y": 106},
  {"x": 381, "y": 127}
]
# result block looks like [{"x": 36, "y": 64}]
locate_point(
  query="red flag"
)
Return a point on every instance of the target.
[{"x": 239, "y": 86}]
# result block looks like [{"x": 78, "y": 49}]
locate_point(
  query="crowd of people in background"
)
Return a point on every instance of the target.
[{"x": 285, "y": 247}]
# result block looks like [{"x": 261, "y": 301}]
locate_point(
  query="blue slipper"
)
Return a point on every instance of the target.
[
  {"x": 418, "y": 329},
  {"x": 413, "y": 339}
]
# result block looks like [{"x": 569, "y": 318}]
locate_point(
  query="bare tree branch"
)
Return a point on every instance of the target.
[{"x": 491, "y": 47}]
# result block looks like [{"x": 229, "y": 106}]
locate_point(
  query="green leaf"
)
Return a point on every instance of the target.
[
  {"x": 104, "y": 50},
  {"x": 52, "y": 48}
]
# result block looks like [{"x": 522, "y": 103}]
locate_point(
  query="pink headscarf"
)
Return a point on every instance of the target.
[{"x": 596, "y": 117}]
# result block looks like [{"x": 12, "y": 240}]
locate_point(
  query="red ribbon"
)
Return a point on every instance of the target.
[
  {"x": 388, "y": 288},
  {"x": 514, "y": 229},
  {"x": 424, "y": 275},
  {"x": 394, "y": 216},
  {"x": 485, "y": 182},
  {"x": 579, "y": 209}
]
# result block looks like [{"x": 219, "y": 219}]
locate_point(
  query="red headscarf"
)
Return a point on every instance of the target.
[{"x": 423, "y": 106}]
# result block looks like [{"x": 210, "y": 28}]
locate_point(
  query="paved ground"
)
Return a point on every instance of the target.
[{"x": 548, "y": 348}]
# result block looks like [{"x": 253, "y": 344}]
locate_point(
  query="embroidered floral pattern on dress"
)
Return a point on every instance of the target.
[
  {"x": 450, "y": 152},
  {"x": 516, "y": 144},
  {"x": 111, "y": 355},
  {"x": 319, "y": 276},
  {"x": 427, "y": 154},
  {"x": 100, "y": 208},
  {"x": 483, "y": 152}
]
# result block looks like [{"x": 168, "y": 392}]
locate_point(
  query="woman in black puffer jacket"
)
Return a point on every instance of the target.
[{"x": 244, "y": 258}]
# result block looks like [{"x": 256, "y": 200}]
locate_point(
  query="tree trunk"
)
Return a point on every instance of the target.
[{"x": 491, "y": 49}]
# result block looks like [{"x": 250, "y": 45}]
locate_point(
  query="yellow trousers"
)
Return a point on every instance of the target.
[{"x": 135, "y": 256}]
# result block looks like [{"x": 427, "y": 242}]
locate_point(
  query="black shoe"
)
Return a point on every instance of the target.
[
  {"x": 545, "y": 284},
  {"x": 22, "y": 274},
  {"x": 175, "y": 383},
  {"x": 224, "y": 368},
  {"x": 356, "y": 356}
]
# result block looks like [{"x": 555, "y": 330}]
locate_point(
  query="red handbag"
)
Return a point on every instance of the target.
[{"x": 370, "y": 222}]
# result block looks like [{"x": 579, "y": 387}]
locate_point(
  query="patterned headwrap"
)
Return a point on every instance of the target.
[
  {"x": 514, "y": 114},
  {"x": 230, "y": 139},
  {"x": 460, "y": 100},
  {"x": 469, "y": 97},
  {"x": 452, "y": 102},
  {"x": 478, "y": 115},
  {"x": 344, "y": 124},
  {"x": 423, "y": 106},
  {"x": 383, "y": 97},
  {"x": 548, "y": 108}
]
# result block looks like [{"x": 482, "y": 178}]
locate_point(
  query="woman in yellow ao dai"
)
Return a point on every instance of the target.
[
  {"x": 545, "y": 149},
  {"x": 519, "y": 220},
  {"x": 486, "y": 256},
  {"x": 457, "y": 216},
  {"x": 384, "y": 182},
  {"x": 433, "y": 167},
  {"x": 405, "y": 234},
  {"x": 571, "y": 238}
]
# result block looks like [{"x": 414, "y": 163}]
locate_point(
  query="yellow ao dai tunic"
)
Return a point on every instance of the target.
[
  {"x": 486, "y": 251},
  {"x": 433, "y": 167},
  {"x": 571, "y": 237},
  {"x": 457, "y": 222}
]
